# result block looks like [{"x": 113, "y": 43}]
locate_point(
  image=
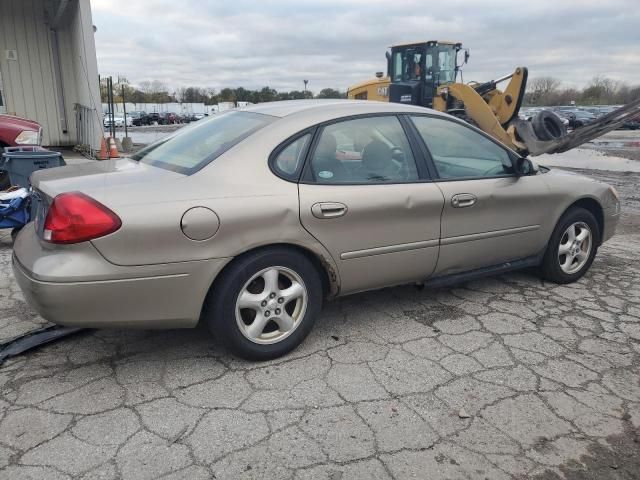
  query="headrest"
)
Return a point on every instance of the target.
[
  {"x": 376, "y": 155},
  {"x": 327, "y": 146}
]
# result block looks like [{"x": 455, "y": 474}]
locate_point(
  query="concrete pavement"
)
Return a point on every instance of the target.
[{"x": 506, "y": 377}]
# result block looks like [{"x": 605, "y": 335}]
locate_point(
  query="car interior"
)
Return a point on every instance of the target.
[
  {"x": 460, "y": 152},
  {"x": 346, "y": 153},
  {"x": 376, "y": 150}
]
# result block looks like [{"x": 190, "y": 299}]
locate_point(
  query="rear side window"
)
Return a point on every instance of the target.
[
  {"x": 458, "y": 151},
  {"x": 289, "y": 161},
  {"x": 193, "y": 147},
  {"x": 364, "y": 150}
]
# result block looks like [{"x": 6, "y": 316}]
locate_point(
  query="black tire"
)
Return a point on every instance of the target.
[
  {"x": 220, "y": 308},
  {"x": 14, "y": 233},
  {"x": 548, "y": 126},
  {"x": 550, "y": 268}
]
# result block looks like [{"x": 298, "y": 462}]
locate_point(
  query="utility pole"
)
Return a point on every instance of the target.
[
  {"x": 112, "y": 127},
  {"x": 124, "y": 110}
]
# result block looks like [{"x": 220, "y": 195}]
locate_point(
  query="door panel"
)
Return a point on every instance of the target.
[
  {"x": 500, "y": 220},
  {"x": 384, "y": 235},
  {"x": 490, "y": 215}
]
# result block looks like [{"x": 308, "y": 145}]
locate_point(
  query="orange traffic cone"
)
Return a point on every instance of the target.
[
  {"x": 102, "y": 155},
  {"x": 113, "y": 150}
]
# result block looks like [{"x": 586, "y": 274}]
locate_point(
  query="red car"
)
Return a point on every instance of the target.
[{"x": 16, "y": 132}]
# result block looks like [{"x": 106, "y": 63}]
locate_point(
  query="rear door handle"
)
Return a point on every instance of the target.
[
  {"x": 328, "y": 209},
  {"x": 462, "y": 200}
]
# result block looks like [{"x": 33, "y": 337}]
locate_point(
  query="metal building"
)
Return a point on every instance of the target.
[{"x": 48, "y": 68}]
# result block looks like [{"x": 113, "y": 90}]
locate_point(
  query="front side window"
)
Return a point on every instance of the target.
[
  {"x": 460, "y": 152},
  {"x": 447, "y": 64},
  {"x": 193, "y": 147},
  {"x": 364, "y": 150},
  {"x": 408, "y": 64}
]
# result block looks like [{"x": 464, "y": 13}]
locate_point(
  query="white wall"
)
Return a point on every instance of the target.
[
  {"x": 80, "y": 65},
  {"x": 180, "y": 108},
  {"x": 31, "y": 87}
]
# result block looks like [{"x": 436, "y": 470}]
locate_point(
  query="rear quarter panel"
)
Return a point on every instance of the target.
[{"x": 254, "y": 207}]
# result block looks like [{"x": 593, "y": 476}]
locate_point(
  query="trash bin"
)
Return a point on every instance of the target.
[{"x": 21, "y": 162}]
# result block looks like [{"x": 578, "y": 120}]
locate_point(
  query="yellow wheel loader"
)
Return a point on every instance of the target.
[{"x": 426, "y": 73}]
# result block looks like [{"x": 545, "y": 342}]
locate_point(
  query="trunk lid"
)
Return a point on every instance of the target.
[{"x": 94, "y": 177}]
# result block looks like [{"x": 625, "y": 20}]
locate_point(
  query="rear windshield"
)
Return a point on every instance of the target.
[{"x": 193, "y": 147}]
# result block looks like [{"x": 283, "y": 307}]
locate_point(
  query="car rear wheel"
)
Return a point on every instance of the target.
[
  {"x": 572, "y": 247},
  {"x": 265, "y": 304}
]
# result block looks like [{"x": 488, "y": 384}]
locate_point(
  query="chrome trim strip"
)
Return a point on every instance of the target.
[
  {"x": 483, "y": 235},
  {"x": 403, "y": 247}
]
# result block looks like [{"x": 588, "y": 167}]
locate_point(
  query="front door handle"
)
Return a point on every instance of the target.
[
  {"x": 328, "y": 209},
  {"x": 462, "y": 200}
]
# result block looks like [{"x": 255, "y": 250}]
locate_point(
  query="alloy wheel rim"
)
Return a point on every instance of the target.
[
  {"x": 271, "y": 305},
  {"x": 575, "y": 247}
]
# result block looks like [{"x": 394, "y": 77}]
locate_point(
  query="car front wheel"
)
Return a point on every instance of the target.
[
  {"x": 265, "y": 304},
  {"x": 572, "y": 247}
]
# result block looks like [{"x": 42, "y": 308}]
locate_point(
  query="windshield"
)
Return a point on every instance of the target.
[{"x": 193, "y": 147}]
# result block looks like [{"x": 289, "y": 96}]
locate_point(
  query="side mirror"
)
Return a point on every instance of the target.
[{"x": 524, "y": 166}]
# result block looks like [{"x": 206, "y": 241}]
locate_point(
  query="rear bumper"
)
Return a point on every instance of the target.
[{"x": 78, "y": 287}]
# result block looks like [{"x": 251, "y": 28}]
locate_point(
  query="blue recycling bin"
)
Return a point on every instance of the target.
[{"x": 21, "y": 162}]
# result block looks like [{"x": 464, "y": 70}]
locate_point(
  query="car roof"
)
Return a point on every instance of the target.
[{"x": 336, "y": 107}]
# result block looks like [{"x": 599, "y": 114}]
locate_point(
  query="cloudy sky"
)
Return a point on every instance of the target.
[{"x": 334, "y": 43}]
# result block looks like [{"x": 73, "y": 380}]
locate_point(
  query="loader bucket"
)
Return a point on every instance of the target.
[{"x": 602, "y": 125}]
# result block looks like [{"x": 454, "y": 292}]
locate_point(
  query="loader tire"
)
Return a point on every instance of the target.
[{"x": 548, "y": 126}]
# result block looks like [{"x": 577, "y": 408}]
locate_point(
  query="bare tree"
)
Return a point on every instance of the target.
[
  {"x": 145, "y": 87},
  {"x": 541, "y": 90}
]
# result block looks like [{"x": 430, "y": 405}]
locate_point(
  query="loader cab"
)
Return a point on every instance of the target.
[{"x": 416, "y": 70}]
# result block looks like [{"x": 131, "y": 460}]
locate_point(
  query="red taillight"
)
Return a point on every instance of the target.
[{"x": 74, "y": 217}]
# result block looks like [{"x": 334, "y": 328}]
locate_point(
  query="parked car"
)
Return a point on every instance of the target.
[
  {"x": 16, "y": 131},
  {"x": 580, "y": 118},
  {"x": 169, "y": 118},
  {"x": 138, "y": 118},
  {"x": 154, "y": 117},
  {"x": 106, "y": 119},
  {"x": 632, "y": 124},
  {"x": 118, "y": 120},
  {"x": 250, "y": 219}
]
